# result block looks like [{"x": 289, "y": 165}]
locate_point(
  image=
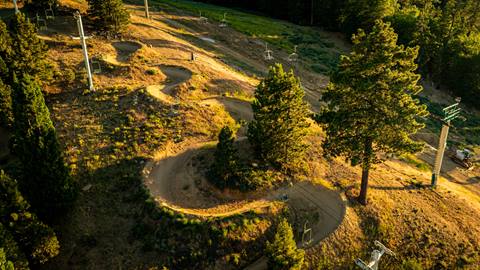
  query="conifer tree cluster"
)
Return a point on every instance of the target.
[
  {"x": 35, "y": 239},
  {"x": 283, "y": 253},
  {"x": 109, "y": 15},
  {"x": 4, "y": 263},
  {"x": 27, "y": 53},
  {"x": 44, "y": 178},
  {"x": 225, "y": 166},
  {"x": 371, "y": 106},
  {"x": 46, "y": 181},
  {"x": 280, "y": 120},
  {"x": 6, "y": 116}
]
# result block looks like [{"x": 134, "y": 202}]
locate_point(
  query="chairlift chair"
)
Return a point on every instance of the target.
[
  {"x": 49, "y": 13},
  {"x": 375, "y": 257},
  {"x": 306, "y": 234},
  {"x": 202, "y": 19},
  {"x": 41, "y": 23},
  {"x": 96, "y": 65},
  {"x": 293, "y": 57},
  {"x": 268, "y": 54},
  {"x": 224, "y": 20}
]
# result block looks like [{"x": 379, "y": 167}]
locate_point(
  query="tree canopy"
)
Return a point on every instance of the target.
[
  {"x": 280, "y": 120},
  {"x": 36, "y": 240},
  {"x": 282, "y": 252},
  {"x": 110, "y": 15},
  {"x": 225, "y": 166},
  {"x": 27, "y": 53},
  {"x": 371, "y": 107},
  {"x": 46, "y": 180}
]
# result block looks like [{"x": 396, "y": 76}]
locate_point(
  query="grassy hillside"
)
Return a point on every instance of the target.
[
  {"x": 320, "y": 50},
  {"x": 110, "y": 135}
]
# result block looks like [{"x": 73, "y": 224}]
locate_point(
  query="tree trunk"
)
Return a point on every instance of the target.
[{"x": 362, "y": 198}]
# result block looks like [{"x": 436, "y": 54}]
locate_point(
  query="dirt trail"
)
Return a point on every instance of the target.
[
  {"x": 175, "y": 76},
  {"x": 238, "y": 109},
  {"x": 174, "y": 182}
]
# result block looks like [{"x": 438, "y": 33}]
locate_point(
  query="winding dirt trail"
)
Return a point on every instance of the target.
[
  {"x": 175, "y": 76},
  {"x": 175, "y": 182}
]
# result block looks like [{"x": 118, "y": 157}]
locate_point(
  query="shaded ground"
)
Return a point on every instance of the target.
[{"x": 4, "y": 138}]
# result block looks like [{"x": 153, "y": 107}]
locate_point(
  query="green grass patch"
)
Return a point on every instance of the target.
[{"x": 414, "y": 161}]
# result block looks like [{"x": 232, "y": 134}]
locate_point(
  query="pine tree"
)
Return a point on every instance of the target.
[
  {"x": 12, "y": 251},
  {"x": 109, "y": 15},
  {"x": 4, "y": 264},
  {"x": 225, "y": 165},
  {"x": 36, "y": 239},
  {"x": 280, "y": 120},
  {"x": 6, "y": 116},
  {"x": 371, "y": 108},
  {"x": 28, "y": 53},
  {"x": 283, "y": 253},
  {"x": 46, "y": 181}
]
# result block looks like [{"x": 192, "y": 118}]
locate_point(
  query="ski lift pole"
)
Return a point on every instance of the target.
[
  {"x": 451, "y": 112},
  {"x": 82, "y": 38},
  {"x": 147, "y": 13},
  {"x": 16, "y": 6}
]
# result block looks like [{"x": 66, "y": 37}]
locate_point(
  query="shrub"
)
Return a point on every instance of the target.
[
  {"x": 152, "y": 71},
  {"x": 411, "y": 264}
]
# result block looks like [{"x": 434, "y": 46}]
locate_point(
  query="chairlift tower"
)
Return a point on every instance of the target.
[
  {"x": 82, "y": 38},
  {"x": 147, "y": 13},
  {"x": 375, "y": 257},
  {"x": 268, "y": 54},
  {"x": 450, "y": 113},
  {"x": 224, "y": 20}
]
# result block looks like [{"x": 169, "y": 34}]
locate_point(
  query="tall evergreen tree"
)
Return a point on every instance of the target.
[
  {"x": 110, "y": 15},
  {"x": 36, "y": 239},
  {"x": 225, "y": 165},
  {"x": 280, "y": 119},
  {"x": 6, "y": 116},
  {"x": 46, "y": 181},
  {"x": 283, "y": 253},
  {"x": 28, "y": 52},
  {"x": 370, "y": 107}
]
